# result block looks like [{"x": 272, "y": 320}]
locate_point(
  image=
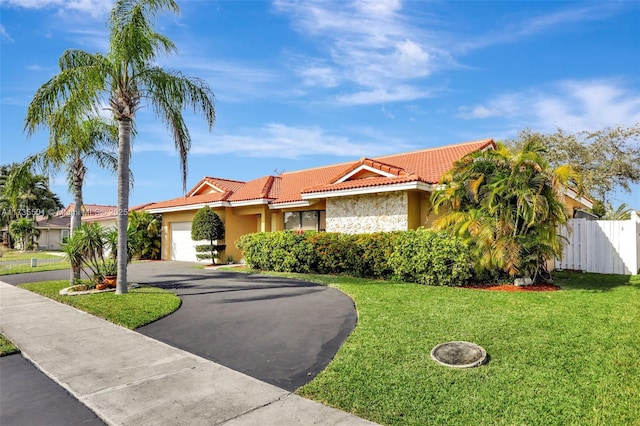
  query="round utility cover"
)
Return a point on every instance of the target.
[{"x": 459, "y": 354}]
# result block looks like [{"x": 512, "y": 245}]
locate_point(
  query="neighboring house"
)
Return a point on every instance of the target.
[
  {"x": 386, "y": 193},
  {"x": 106, "y": 216},
  {"x": 95, "y": 213},
  {"x": 53, "y": 231}
]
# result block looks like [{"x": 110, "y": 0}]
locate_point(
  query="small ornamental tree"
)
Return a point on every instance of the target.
[
  {"x": 24, "y": 230},
  {"x": 207, "y": 226}
]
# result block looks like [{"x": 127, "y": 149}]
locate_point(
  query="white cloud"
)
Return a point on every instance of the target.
[
  {"x": 4, "y": 35},
  {"x": 382, "y": 95},
  {"x": 584, "y": 12},
  {"x": 282, "y": 141},
  {"x": 90, "y": 38},
  {"x": 322, "y": 76},
  {"x": 572, "y": 105},
  {"x": 231, "y": 81},
  {"x": 378, "y": 7},
  {"x": 277, "y": 140},
  {"x": 521, "y": 27},
  {"x": 94, "y": 8},
  {"x": 370, "y": 44}
]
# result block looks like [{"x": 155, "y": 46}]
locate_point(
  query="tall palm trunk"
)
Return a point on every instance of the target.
[
  {"x": 78, "y": 171},
  {"x": 124, "y": 154}
]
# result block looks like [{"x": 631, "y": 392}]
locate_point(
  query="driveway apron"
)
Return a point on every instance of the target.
[{"x": 280, "y": 331}]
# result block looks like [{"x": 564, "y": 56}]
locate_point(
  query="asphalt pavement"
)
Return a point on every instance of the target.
[
  {"x": 280, "y": 331},
  {"x": 29, "y": 397}
]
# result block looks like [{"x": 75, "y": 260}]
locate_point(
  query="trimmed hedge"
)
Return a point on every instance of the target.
[
  {"x": 432, "y": 258},
  {"x": 422, "y": 256}
]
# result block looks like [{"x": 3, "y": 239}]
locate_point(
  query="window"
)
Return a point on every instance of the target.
[
  {"x": 310, "y": 220},
  {"x": 64, "y": 233}
]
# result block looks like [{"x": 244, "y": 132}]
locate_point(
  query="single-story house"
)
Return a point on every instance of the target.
[
  {"x": 95, "y": 213},
  {"x": 55, "y": 230},
  {"x": 385, "y": 193}
]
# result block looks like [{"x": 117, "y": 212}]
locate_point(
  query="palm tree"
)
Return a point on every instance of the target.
[
  {"x": 122, "y": 78},
  {"x": 507, "y": 206},
  {"x": 28, "y": 195},
  {"x": 623, "y": 212},
  {"x": 71, "y": 145}
]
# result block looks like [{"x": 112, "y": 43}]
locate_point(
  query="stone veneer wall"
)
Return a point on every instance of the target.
[{"x": 361, "y": 214}]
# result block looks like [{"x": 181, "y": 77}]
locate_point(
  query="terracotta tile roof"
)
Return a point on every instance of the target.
[
  {"x": 378, "y": 165},
  {"x": 261, "y": 188},
  {"x": 362, "y": 183},
  {"x": 224, "y": 185},
  {"x": 292, "y": 183},
  {"x": 427, "y": 165},
  {"x": 186, "y": 201},
  {"x": 430, "y": 164},
  {"x": 91, "y": 210}
]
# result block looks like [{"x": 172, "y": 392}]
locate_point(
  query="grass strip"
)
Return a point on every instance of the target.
[
  {"x": 6, "y": 347},
  {"x": 140, "y": 306},
  {"x": 15, "y": 255},
  {"x": 11, "y": 269}
]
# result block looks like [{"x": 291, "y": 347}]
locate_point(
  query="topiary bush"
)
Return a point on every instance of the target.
[
  {"x": 207, "y": 225},
  {"x": 433, "y": 258}
]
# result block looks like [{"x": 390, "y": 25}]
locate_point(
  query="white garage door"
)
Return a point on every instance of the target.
[{"x": 182, "y": 246}]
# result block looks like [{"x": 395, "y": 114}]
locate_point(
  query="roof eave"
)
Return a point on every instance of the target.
[
  {"x": 290, "y": 205},
  {"x": 574, "y": 196},
  {"x": 243, "y": 203},
  {"x": 416, "y": 185},
  {"x": 187, "y": 207}
]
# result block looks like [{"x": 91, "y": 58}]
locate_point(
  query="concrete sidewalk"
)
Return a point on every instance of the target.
[{"x": 127, "y": 378}]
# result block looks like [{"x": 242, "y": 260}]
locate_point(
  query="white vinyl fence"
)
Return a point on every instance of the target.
[{"x": 602, "y": 246}]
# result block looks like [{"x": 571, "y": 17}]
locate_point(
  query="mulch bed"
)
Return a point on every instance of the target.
[{"x": 513, "y": 288}]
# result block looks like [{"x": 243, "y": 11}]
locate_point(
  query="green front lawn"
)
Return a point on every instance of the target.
[
  {"x": 13, "y": 255},
  {"x": 17, "y": 262},
  {"x": 10, "y": 269},
  {"x": 140, "y": 306},
  {"x": 556, "y": 358}
]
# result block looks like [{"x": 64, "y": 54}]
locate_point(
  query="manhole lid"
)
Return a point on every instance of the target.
[{"x": 459, "y": 354}]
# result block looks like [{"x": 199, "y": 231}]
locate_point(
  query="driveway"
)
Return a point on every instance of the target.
[{"x": 281, "y": 331}]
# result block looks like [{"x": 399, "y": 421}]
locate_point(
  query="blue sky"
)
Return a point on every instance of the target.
[{"x": 304, "y": 84}]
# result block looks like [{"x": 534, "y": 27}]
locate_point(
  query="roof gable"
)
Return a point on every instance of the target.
[
  {"x": 210, "y": 185},
  {"x": 368, "y": 168}
]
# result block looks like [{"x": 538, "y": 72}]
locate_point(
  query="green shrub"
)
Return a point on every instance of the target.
[
  {"x": 376, "y": 249},
  {"x": 335, "y": 253},
  {"x": 433, "y": 258},
  {"x": 421, "y": 256},
  {"x": 277, "y": 251}
]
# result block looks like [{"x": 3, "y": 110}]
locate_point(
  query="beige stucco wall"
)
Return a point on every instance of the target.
[
  {"x": 368, "y": 213},
  {"x": 237, "y": 222},
  {"x": 244, "y": 220},
  {"x": 50, "y": 239}
]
